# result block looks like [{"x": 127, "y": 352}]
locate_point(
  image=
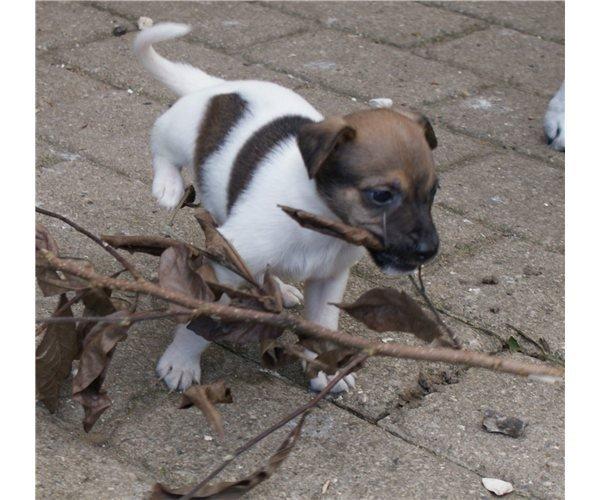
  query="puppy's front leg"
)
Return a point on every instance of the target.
[{"x": 318, "y": 295}]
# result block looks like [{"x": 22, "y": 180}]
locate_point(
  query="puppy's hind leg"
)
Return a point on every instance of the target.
[{"x": 167, "y": 186}]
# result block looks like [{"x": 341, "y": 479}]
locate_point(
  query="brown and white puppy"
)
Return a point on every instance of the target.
[{"x": 255, "y": 145}]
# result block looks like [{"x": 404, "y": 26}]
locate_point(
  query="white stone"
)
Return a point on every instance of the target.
[
  {"x": 381, "y": 102},
  {"x": 144, "y": 22},
  {"x": 497, "y": 486}
]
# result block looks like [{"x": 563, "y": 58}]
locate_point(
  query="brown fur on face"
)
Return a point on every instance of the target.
[{"x": 374, "y": 151}]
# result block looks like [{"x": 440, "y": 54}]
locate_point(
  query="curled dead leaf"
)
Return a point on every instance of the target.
[
  {"x": 205, "y": 397},
  {"x": 176, "y": 273},
  {"x": 387, "y": 309},
  {"x": 98, "y": 349},
  {"x": 54, "y": 356},
  {"x": 355, "y": 235},
  {"x": 235, "y": 489}
]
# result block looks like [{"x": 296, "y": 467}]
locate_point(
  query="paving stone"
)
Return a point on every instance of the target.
[
  {"x": 230, "y": 25},
  {"x": 529, "y": 294},
  {"x": 403, "y": 24},
  {"x": 171, "y": 444},
  {"x": 364, "y": 69},
  {"x": 506, "y": 55},
  {"x": 520, "y": 195},
  {"x": 508, "y": 117},
  {"x": 93, "y": 120},
  {"x": 546, "y": 19},
  {"x": 448, "y": 422},
  {"x": 60, "y": 24},
  {"x": 113, "y": 61},
  {"x": 67, "y": 467}
]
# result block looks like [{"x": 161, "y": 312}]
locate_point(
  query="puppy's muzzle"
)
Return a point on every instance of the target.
[{"x": 408, "y": 253}]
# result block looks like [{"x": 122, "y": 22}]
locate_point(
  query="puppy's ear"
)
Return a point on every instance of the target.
[
  {"x": 318, "y": 140},
  {"x": 426, "y": 124}
]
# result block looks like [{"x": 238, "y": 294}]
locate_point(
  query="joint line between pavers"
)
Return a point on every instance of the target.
[
  {"x": 447, "y": 6},
  {"x": 376, "y": 39}
]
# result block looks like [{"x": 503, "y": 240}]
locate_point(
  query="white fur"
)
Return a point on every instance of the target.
[
  {"x": 554, "y": 121},
  {"x": 263, "y": 234}
]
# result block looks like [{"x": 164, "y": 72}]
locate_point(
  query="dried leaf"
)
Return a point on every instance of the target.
[
  {"x": 355, "y": 235},
  {"x": 153, "y": 245},
  {"x": 265, "y": 298},
  {"x": 175, "y": 272},
  {"x": 329, "y": 361},
  {"x": 235, "y": 489},
  {"x": 205, "y": 397},
  {"x": 97, "y": 302},
  {"x": 48, "y": 280},
  {"x": 496, "y": 422},
  {"x": 219, "y": 248},
  {"x": 387, "y": 309},
  {"x": 98, "y": 349},
  {"x": 273, "y": 355},
  {"x": 54, "y": 356}
]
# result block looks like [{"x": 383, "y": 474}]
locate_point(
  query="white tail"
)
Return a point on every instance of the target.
[{"x": 181, "y": 78}]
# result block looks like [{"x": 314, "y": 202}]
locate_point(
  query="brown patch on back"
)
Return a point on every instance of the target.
[
  {"x": 259, "y": 145},
  {"x": 224, "y": 111}
]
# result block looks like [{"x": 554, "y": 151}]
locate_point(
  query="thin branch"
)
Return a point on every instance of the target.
[
  {"x": 122, "y": 260},
  {"x": 286, "y": 320},
  {"x": 421, "y": 291},
  {"x": 351, "y": 366}
]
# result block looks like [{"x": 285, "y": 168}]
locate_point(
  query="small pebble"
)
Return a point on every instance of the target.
[
  {"x": 119, "y": 30},
  {"x": 144, "y": 22},
  {"x": 489, "y": 280},
  {"x": 381, "y": 102},
  {"x": 497, "y": 423},
  {"x": 495, "y": 309},
  {"x": 497, "y": 486}
]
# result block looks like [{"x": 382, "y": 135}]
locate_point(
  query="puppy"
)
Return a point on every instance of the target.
[
  {"x": 554, "y": 120},
  {"x": 253, "y": 145}
]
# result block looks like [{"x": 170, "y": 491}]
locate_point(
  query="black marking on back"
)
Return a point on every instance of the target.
[
  {"x": 256, "y": 148},
  {"x": 223, "y": 113}
]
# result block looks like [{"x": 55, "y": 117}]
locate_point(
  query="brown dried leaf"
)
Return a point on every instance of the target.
[
  {"x": 97, "y": 302},
  {"x": 329, "y": 361},
  {"x": 355, "y": 235},
  {"x": 205, "y": 397},
  {"x": 219, "y": 248},
  {"x": 54, "y": 356},
  {"x": 48, "y": 280},
  {"x": 273, "y": 355},
  {"x": 176, "y": 273},
  {"x": 153, "y": 245},
  {"x": 235, "y": 489},
  {"x": 387, "y": 309},
  {"x": 98, "y": 349},
  {"x": 265, "y": 298}
]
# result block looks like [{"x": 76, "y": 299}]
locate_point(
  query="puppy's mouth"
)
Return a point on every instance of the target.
[{"x": 394, "y": 263}]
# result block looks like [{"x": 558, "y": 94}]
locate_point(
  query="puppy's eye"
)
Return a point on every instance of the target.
[{"x": 380, "y": 197}]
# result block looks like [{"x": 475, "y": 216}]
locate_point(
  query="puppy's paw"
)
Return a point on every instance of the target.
[
  {"x": 179, "y": 366},
  {"x": 178, "y": 370},
  {"x": 318, "y": 383},
  {"x": 167, "y": 187},
  {"x": 290, "y": 295},
  {"x": 554, "y": 121}
]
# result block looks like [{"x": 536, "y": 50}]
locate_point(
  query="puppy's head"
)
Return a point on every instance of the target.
[{"x": 374, "y": 169}]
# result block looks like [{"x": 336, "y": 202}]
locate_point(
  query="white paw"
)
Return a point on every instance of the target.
[
  {"x": 290, "y": 295},
  {"x": 318, "y": 383},
  {"x": 167, "y": 187},
  {"x": 554, "y": 121},
  {"x": 179, "y": 366}
]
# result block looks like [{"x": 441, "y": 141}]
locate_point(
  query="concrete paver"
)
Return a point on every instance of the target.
[
  {"x": 506, "y": 55},
  {"x": 403, "y": 24},
  {"x": 521, "y": 195},
  {"x": 229, "y": 25},
  {"x": 448, "y": 421},
  {"x": 506, "y": 116},
  {"x": 361, "y": 68},
  {"x": 545, "y": 19}
]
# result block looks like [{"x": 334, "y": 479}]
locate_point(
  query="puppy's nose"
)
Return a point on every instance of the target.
[{"x": 425, "y": 250}]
